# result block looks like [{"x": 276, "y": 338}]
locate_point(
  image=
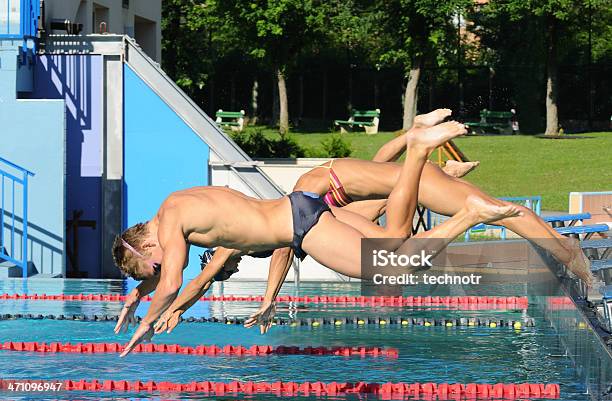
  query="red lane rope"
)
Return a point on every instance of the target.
[
  {"x": 210, "y": 350},
  {"x": 476, "y": 301},
  {"x": 560, "y": 303},
  {"x": 442, "y": 391}
]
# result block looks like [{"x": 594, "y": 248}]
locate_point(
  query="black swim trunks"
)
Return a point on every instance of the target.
[
  {"x": 307, "y": 208},
  {"x": 224, "y": 274}
]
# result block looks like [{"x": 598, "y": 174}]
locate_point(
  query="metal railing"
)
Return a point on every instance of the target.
[
  {"x": 29, "y": 13},
  {"x": 8, "y": 187}
]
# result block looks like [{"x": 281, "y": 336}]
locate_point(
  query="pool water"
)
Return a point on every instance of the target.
[{"x": 426, "y": 354}]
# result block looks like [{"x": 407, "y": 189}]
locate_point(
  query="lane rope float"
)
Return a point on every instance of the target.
[
  {"x": 440, "y": 390},
  {"x": 560, "y": 303},
  {"x": 463, "y": 301},
  {"x": 314, "y": 322},
  {"x": 210, "y": 350}
]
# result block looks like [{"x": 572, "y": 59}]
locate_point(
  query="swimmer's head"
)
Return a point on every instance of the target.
[
  {"x": 137, "y": 253},
  {"x": 232, "y": 263}
]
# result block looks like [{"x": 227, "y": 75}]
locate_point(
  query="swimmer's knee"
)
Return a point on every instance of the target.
[
  {"x": 399, "y": 232},
  {"x": 303, "y": 183}
]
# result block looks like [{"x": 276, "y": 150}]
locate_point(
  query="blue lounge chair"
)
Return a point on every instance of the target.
[{"x": 561, "y": 219}]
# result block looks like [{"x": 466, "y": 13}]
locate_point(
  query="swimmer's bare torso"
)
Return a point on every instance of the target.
[
  {"x": 362, "y": 179},
  {"x": 218, "y": 216}
]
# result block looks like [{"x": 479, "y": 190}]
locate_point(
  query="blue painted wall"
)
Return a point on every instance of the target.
[
  {"x": 78, "y": 80},
  {"x": 32, "y": 135},
  {"x": 162, "y": 154}
]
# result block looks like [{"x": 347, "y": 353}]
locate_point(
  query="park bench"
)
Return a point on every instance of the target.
[
  {"x": 561, "y": 219},
  {"x": 498, "y": 122},
  {"x": 366, "y": 119},
  {"x": 232, "y": 119}
]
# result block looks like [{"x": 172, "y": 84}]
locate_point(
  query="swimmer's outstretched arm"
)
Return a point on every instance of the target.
[
  {"x": 392, "y": 150},
  {"x": 171, "y": 317},
  {"x": 193, "y": 291},
  {"x": 126, "y": 317},
  {"x": 172, "y": 241},
  {"x": 279, "y": 267}
]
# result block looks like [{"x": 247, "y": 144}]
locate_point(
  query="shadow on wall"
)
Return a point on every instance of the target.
[
  {"x": 78, "y": 80},
  {"x": 38, "y": 244}
]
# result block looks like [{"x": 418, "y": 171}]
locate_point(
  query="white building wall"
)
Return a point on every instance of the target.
[{"x": 143, "y": 14}]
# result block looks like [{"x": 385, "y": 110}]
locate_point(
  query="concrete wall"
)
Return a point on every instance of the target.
[
  {"x": 78, "y": 80},
  {"x": 162, "y": 155},
  {"x": 32, "y": 133},
  {"x": 591, "y": 202},
  {"x": 10, "y": 16},
  {"x": 286, "y": 172},
  {"x": 141, "y": 20}
]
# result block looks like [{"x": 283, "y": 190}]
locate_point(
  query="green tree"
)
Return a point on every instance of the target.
[
  {"x": 413, "y": 33},
  {"x": 552, "y": 16},
  {"x": 195, "y": 41},
  {"x": 274, "y": 32}
]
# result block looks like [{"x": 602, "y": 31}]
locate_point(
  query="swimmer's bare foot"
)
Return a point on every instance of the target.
[
  {"x": 608, "y": 209},
  {"x": 580, "y": 265},
  {"x": 486, "y": 212},
  {"x": 432, "y": 118},
  {"x": 430, "y": 138},
  {"x": 459, "y": 169}
]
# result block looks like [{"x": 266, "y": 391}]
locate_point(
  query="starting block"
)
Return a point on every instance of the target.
[
  {"x": 588, "y": 230},
  {"x": 606, "y": 293},
  {"x": 599, "y": 265},
  {"x": 594, "y": 246}
]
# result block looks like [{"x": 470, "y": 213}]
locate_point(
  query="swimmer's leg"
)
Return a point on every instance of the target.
[
  {"x": 402, "y": 201},
  {"x": 369, "y": 209},
  {"x": 446, "y": 195},
  {"x": 392, "y": 150},
  {"x": 336, "y": 245},
  {"x": 475, "y": 211}
]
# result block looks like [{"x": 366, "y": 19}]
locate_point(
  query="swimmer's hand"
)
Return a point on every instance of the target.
[
  {"x": 168, "y": 321},
  {"x": 263, "y": 317},
  {"x": 144, "y": 332},
  {"x": 127, "y": 316}
]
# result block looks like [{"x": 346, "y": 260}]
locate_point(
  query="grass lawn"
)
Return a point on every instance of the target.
[
  {"x": 515, "y": 165},
  {"x": 525, "y": 165}
]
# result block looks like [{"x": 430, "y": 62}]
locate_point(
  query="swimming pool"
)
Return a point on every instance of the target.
[{"x": 436, "y": 354}]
